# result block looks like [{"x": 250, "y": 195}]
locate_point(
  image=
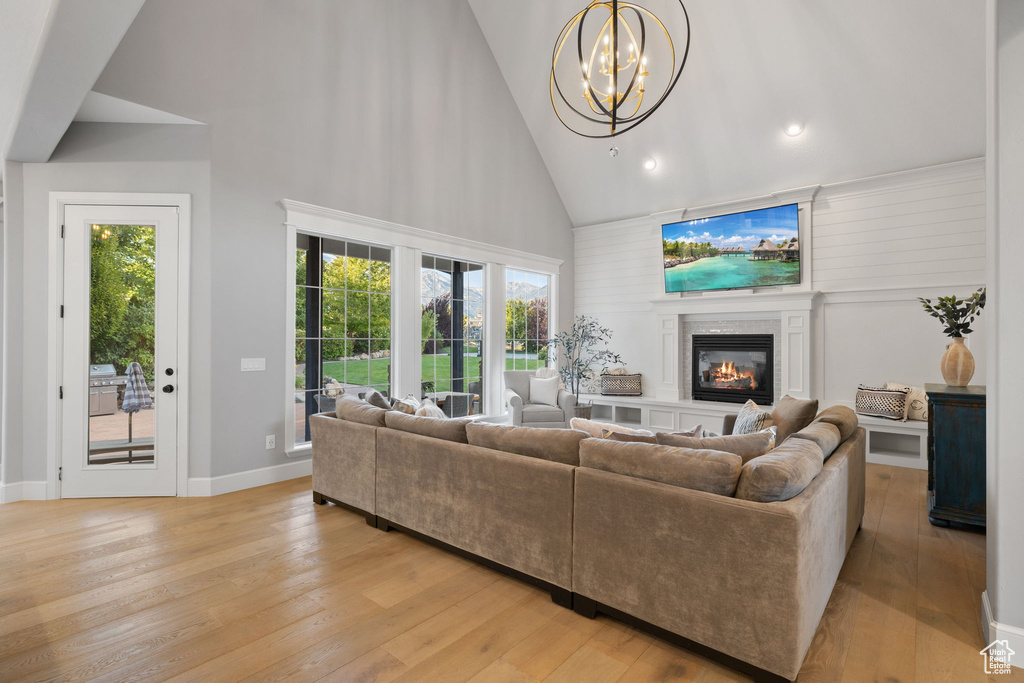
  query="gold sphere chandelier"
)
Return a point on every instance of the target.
[{"x": 614, "y": 53}]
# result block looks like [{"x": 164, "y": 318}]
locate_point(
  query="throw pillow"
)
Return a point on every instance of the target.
[
  {"x": 917, "y": 400},
  {"x": 697, "y": 432},
  {"x": 747, "y": 446},
  {"x": 544, "y": 390},
  {"x": 793, "y": 414},
  {"x": 375, "y": 398},
  {"x": 751, "y": 419},
  {"x": 407, "y": 405},
  {"x": 627, "y": 438},
  {"x": 780, "y": 474},
  {"x": 558, "y": 445},
  {"x": 429, "y": 409},
  {"x": 544, "y": 373},
  {"x": 594, "y": 429},
  {"x": 878, "y": 402},
  {"x": 709, "y": 471}
]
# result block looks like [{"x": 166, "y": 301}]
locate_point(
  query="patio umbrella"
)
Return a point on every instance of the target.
[{"x": 136, "y": 394}]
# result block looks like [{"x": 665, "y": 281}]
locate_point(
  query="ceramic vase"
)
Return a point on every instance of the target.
[{"x": 957, "y": 364}]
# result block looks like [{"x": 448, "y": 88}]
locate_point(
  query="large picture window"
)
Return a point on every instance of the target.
[
  {"x": 527, "y": 302},
  {"x": 342, "y": 323},
  {"x": 452, "y": 325}
]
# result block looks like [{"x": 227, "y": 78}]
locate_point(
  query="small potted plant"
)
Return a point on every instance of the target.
[
  {"x": 957, "y": 316},
  {"x": 583, "y": 349}
]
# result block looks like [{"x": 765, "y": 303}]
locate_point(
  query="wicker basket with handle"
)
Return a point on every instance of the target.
[{"x": 621, "y": 385}]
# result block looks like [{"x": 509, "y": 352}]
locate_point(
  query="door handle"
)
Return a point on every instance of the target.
[
  {"x": 169, "y": 371},
  {"x": 168, "y": 388}
]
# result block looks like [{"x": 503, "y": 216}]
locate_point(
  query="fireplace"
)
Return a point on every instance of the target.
[{"x": 733, "y": 368}]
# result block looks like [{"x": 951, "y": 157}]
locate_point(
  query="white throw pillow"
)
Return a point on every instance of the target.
[
  {"x": 595, "y": 429},
  {"x": 544, "y": 390},
  {"x": 751, "y": 419},
  {"x": 429, "y": 409},
  {"x": 917, "y": 400},
  {"x": 544, "y": 373}
]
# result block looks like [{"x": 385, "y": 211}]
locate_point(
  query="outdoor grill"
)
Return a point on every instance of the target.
[{"x": 104, "y": 383}]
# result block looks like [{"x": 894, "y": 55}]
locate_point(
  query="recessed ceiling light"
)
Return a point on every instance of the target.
[
  {"x": 794, "y": 129},
  {"x": 650, "y": 164}
]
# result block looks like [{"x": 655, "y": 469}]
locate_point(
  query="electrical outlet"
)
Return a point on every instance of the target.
[{"x": 271, "y": 442}]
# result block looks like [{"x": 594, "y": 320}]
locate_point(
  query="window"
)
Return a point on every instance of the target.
[
  {"x": 526, "y": 319},
  {"x": 342, "y": 323},
  {"x": 452, "y": 325}
]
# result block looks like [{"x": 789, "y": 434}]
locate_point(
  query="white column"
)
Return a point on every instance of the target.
[
  {"x": 1003, "y": 601},
  {"x": 406, "y": 345},
  {"x": 494, "y": 338},
  {"x": 669, "y": 384},
  {"x": 796, "y": 354}
]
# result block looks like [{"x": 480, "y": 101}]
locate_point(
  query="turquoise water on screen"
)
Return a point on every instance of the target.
[{"x": 730, "y": 272}]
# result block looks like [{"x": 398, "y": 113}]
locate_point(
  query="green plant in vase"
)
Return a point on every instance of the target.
[{"x": 956, "y": 315}]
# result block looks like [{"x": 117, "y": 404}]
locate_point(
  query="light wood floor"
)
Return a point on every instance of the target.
[{"x": 264, "y": 585}]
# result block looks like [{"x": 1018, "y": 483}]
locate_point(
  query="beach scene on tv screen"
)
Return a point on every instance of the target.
[{"x": 750, "y": 249}]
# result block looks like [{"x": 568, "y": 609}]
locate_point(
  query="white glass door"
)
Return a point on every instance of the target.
[{"x": 119, "y": 402}]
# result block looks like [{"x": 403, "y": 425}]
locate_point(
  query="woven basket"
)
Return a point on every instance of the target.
[{"x": 621, "y": 385}]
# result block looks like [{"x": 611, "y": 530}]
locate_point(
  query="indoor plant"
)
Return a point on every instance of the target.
[
  {"x": 956, "y": 315},
  {"x": 584, "y": 348}
]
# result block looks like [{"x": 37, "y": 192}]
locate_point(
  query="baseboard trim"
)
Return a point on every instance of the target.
[
  {"x": 1013, "y": 635},
  {"x": 215, "y": 486},
  {"x": 22, "y": 490}
]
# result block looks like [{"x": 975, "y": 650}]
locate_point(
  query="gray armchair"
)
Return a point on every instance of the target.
[{"x": 526, "y": 414}]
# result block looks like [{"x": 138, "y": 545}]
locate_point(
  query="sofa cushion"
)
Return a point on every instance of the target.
[
  {"x": 751, "y": 418},
  {"x": 354, "y": 410},
  {"x": 627, "y": 438},
  {"x": 781, "y": 473},
  {"x": 536, "y": 412},
  {"x": 822, "y": 433},
  {"x": 544, "y": 390},
  {"x": 710, "y": 471},
  {"x": 842, "y": 417},
  {"x": 793, "y": 414},
  {"x": 437, "y": 427},
  {"x": 595, "y": 429},
  {"x": 746, "y": 446},
  {"x": 695, "y": 431},
  {"x": 375, "y": 398},
  {"x": 558, "y": 445}
]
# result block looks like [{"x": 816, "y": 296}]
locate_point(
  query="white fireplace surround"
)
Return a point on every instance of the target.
[{"x": 794, "y": 343}]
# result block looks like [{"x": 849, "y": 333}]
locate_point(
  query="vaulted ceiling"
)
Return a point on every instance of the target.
[{"x": 881, "y": 86}]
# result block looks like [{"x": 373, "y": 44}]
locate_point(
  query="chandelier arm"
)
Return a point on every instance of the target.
[
  {"x": 633, "y": 119},
  {"x": 554, "y": 85},
  {"x": 639, "y": 60},
  {"x": 579, "y": 49}
]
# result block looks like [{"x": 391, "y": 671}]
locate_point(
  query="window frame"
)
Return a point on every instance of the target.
[{"x": 407, "y": 246}]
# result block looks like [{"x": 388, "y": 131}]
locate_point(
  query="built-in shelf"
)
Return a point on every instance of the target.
[{"x": 889, "y": 442}]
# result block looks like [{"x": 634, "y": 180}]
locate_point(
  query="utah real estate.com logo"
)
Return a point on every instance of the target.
[{"x": 997, "y": 657}]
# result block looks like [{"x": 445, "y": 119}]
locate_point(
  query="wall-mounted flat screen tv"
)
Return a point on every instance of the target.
[{"x": 758, "y": 248}]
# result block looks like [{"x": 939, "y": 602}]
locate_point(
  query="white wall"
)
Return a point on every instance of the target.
[
  {"x": 1005, "y": 537},
  {"x": 878, "y": 244},
  {"x": 390, "y": 109}
]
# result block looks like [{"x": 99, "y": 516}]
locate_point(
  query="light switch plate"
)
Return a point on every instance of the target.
[{"x": 254, "y": 364}]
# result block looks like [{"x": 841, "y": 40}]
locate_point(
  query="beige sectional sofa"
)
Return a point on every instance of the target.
[{"x": 618, "y": 528}]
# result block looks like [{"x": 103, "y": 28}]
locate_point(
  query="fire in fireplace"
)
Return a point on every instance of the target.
[{"x": 733, "y": 367}]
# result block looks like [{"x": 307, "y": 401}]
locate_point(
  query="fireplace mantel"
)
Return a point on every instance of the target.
[{"x": 793, "y": 308}]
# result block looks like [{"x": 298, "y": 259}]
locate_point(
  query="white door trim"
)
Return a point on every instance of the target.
[{"x": 58, "y": 200}]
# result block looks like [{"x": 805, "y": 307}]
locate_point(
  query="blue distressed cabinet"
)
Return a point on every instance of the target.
[{"x": 956, "y": 454}]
